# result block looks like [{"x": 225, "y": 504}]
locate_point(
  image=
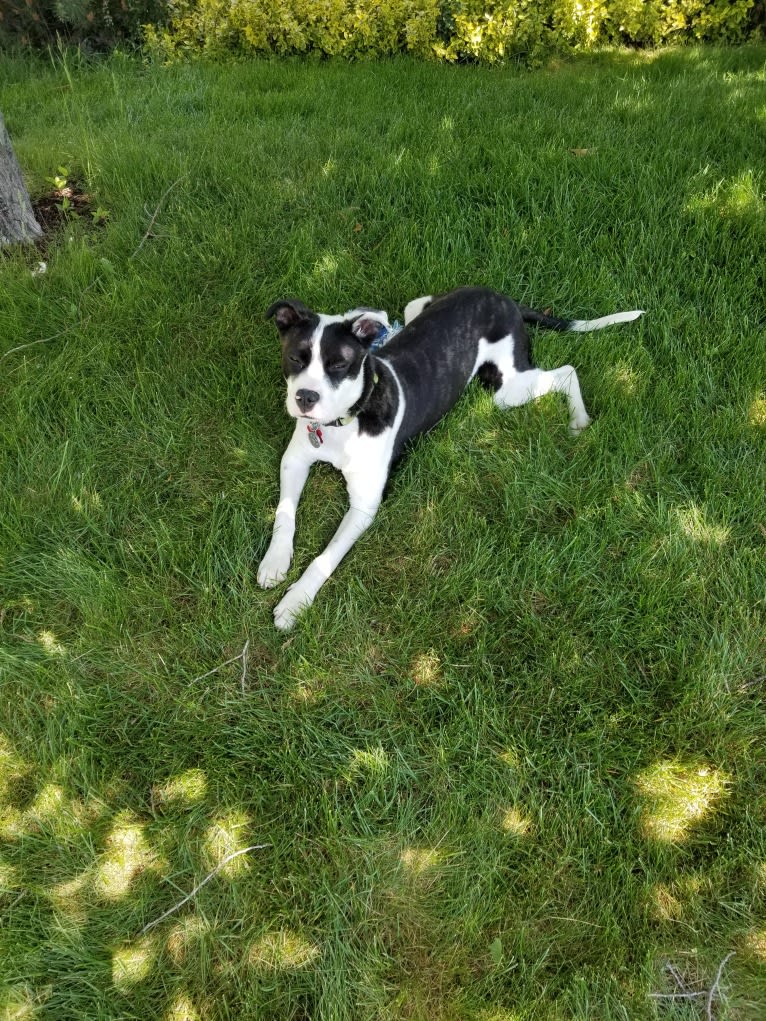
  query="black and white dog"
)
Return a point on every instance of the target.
[{"x": 356, "y": 409}]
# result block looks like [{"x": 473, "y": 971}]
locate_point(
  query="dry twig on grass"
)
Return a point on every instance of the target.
[
  {"x": 234, "y": 659},
  {"x": 685, "y": 993},
  {"x": 198, "y": 887},
  {"x": 67, "y": 329},
  {"x": 156, "y": 213}
]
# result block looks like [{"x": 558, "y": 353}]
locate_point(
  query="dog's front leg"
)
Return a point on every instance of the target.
[
  {"x": 293, "y": 472},
  {"x": 364, "y": 502}
]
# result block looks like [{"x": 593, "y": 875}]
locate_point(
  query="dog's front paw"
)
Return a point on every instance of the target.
[
  {"x": 274, "y": 566},
  {"x": 577, "y": 425},
  {"x": 287, "y": 609}
]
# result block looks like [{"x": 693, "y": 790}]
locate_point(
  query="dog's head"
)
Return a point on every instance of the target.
[{"x": 323, "y": 357}]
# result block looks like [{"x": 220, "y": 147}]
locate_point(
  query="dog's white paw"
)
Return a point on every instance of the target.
[
  {"x": 289, "y": 607},
  {"x": 577, "y": 425},
  {"x": 274, "y": 566}
]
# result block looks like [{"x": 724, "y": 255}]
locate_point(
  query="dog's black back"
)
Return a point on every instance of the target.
[{"x": 436, "y": 354}]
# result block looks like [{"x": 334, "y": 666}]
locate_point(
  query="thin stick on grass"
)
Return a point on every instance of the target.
[
  {"x": 45, "y": 340},
  {"x": 154, "y": 217},
  {"x": 714, "y": 987},
  {"x": 244, "y": 665},
  {"x": 216, "y": 669},
  {"x": 687, "y": 994},
  {"x": 234, "y": 659},
  {"x": 198, "y": 887},
  {"x": 67, "y": 329},
  {"x": 678, "y": 996},
  {"x": 682, "y": 985}
]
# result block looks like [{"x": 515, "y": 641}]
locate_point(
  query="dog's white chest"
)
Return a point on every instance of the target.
[{"x": 344, "y": 446}]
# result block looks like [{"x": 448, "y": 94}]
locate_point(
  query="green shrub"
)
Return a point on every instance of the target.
[
  {"x": 349, "y": 28},
  {"x": 456, "y": 30},
  {"x": 652, "y": 24},
  {"x": 492, "y": 30}
]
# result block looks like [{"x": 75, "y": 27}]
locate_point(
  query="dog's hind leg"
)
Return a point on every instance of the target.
[{"x": 519, "y": 388}]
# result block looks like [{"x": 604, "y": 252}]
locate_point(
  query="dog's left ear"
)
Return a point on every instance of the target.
[
  {"x": 368, "y": 324},
  {"x": 288, "y": 312}
]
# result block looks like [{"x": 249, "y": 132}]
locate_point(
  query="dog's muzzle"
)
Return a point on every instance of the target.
[{"x": 306, "y": 399}]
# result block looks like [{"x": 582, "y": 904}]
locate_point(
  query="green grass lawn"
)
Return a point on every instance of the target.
[{"x": 512, "y": 763}]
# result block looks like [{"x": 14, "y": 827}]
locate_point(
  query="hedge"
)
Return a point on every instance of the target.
[{"x": 455, "y": 30}]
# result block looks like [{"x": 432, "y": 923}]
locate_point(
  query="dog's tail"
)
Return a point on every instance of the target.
[{"x": 530, "y": 315}]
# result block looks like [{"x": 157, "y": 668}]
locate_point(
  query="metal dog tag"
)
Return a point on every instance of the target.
[{"x": 315, "y": 434}]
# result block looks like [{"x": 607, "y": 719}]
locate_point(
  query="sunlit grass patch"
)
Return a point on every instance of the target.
[
  {"x": 20, "y": 1001},
  {"x": 128, "y": 853},
  {"x": 49, "y": 810},
  {"x": 224, "y": 838},
  {"x": 48, "y": 805},
  {"x": 132, "y": 963},
  {"x": 184, "y": 1009},
  {"x": 421, "y": 861},
  {"x": 510, "y": 757},
  {"x": 515, "y": 822},
  {"x": 7, "y": 875},
  {"x": 677, "y": 797},
  {"x": 86, "y": 502},
  {"x": 626, "y": 378},
  {"x": 755, "y": 943},
  {"x": 51, "y": 645},
  {"x": 327, "y": 265},
  {"x": 71, "y": 900},
  {"x": 741, "y": 196},
  {"x": 185, "y": 937},
  {"x": 304, "y": 693},
  {"x": 665, "y": 905},
  {"x": 368, "y": 762},
  {"x": 187, "y": 788},
  {"x": 756, "y": 415},
  {"x": 12, "y": 765},
  {"x": 282, "y": 949},
  {"x": 693, "y": 524},
  {"x": 499, "y": 1015},
  {"x": 426, "y": 668},
  {"x": 675, "y": 901}
]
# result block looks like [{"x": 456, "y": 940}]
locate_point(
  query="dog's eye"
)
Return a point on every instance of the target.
[
  {"x": 297, "y": 362},
  {"x": 337, "y": 367}
]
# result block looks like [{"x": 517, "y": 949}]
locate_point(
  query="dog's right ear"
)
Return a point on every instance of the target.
[
  {"x": 288, "y": 312},
  {"x": 367, "y": 324}
]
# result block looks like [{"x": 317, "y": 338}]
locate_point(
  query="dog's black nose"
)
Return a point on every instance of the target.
[{"x": 306, "y": 399}]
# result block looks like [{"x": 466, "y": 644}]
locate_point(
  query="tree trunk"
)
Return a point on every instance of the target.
[{"x": 17, "y": 221}]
